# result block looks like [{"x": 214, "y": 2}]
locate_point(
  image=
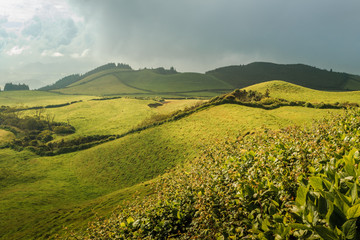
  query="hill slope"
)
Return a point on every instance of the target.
[
  {"x": 300, "y": 74},
  {"x": 112, "y": 79},
  {"x": 146, "y": 82},
  {"x": 41, "y": 194},
  {"x": 292, "y": 92}
]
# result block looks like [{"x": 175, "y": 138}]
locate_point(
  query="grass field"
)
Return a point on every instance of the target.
[
  {"x": 37, "y": 98},
  {"x": 115, "y": 116},
  {"x": 288, "y": 91},
  {"x": 147, "y": 83},
  {"x": 40, "y": 195}
]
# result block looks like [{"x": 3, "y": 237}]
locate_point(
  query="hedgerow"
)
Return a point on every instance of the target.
[{"x": 290, "y": 184}]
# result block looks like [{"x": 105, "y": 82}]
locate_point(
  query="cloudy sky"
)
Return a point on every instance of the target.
[{"x": 44, "y": 40}]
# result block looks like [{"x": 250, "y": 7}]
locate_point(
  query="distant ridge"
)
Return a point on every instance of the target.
[
  {"x": 121, "y": 79},
  {"x": 68, "y": 80},
  {"x": 300, "y": 74}
]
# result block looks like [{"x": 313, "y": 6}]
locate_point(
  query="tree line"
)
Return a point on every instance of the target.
[{"x": 15, "y": 87}]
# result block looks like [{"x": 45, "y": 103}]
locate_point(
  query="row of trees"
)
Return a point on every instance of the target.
[{"x": 15, "y": 87}]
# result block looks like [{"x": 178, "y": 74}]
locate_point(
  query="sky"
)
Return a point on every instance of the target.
[{"x": 42, "y": 41}]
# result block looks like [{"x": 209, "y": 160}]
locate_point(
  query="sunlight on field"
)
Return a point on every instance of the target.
[
  {"x": 37, "y": 98},
  {"x": 6, "y": 136},
  {"x": 58, "y": 189},
  {"x": 291, "y": 92}
]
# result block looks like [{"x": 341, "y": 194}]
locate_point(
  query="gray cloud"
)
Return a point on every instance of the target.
[
  {"x": 201, "y": 34},
  {"x": 33, "y": 27},
  {"x": 77, "y": 35}
]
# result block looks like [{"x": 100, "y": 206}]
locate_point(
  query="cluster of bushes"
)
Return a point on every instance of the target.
[
  {"x": 10, "y": 118},
  {"x": 105, "y": 98},
  {"x": 155, "y": 105},
  {"x": 47, "y": 106},
  {"x": 31, "y": 131},
  {"x": 15, "y": 87},
  {"x": 36, "y": 134},
  {"x": 60, "y": 147},
  {"x": 289, "y": 184},
  {"x": 162, "y": 70}
]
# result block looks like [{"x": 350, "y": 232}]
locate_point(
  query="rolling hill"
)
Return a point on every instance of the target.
[
  {"x": 41, "y": 195},
  {"x": 299, "y": 74},
  {"x": 146, "y": 82},
  {"x": 111, "y": 79}
]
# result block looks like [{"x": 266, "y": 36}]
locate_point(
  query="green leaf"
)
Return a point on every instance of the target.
[
  {"x": 354, "y": 211},
  {"x": 354, "y": 192},
  {"x": 337, "y": 217},
  {"x": 130, "y": 220},
  {"x": 316, "y": 183},
  {"x": 299, "y": 226},
  {"x": 349, "y": 229},
  {"x": 350, "y": 169},
  {"x": 325, "y": 233},
  {"x": 322, "y": 206},
  {"x": 301, "y": 195}
]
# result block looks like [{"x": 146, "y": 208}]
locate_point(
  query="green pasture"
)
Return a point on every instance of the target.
[
  {"x": 37, "y": 98},
  {"x": 292, "y": 92},
  {"x": 147, "y": 83},
  {"x": 41, "y": 195},
  {"x": 103, "y": 85},
  {"x": 179, "y": 82},
  {"x": 115, "y": 116}
]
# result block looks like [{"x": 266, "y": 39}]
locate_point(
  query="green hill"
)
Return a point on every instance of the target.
[
  {"x": 146, "y": 83},
  {"x": 121, "y": 79},
  {"x": 299, "y": 74},
  {"x": 292, "y": 92},
  {"x": 40, "y": 195}
]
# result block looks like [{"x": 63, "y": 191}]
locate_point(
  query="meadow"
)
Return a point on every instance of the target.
[
  {"x": 37, "y": 98},
  {"x": 39, "y": 196},
  {"x": 147, "y": 82}
]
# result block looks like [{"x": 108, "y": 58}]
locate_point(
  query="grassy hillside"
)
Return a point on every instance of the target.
[
  {"x": 289, "y": 184},
  {"x": 292, "y": 92},
  {"x": 40, "y": 195},
  {"x": 113, "y": 116},
  {"x": 119, "y": 80},
  {"x": 37, "y": 188},
  {"x": 37, "y": 98},
  {"x": 146, "y": 83},
  {"x": 299, "y": 74}
]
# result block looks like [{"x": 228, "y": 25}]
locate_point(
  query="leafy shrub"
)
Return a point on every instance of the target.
[
  {"x": 290, "y": 184},
  {"x": 64, "y": 129}
]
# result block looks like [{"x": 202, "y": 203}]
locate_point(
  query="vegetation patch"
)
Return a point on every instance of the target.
[
  {"x": 289, "y": 184},
  {"x": 155, "y": 105}
]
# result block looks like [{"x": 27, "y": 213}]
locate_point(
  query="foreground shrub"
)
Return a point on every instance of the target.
[{"x": 291, "y": 184}]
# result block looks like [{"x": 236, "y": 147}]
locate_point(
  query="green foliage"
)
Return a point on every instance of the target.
[
  {"x": 64, "y": 130},
  {"x": 15, "y": 87},
  {"x": 291, "y": 184}
]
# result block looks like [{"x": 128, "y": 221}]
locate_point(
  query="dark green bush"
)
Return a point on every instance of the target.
[{"x": 64, "y": 129}]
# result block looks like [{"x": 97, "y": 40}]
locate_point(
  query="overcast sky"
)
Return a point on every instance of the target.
[{"x": 44, "y": 40}]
